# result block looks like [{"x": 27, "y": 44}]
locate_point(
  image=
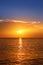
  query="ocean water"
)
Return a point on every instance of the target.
[{"x": 21, "y": 51}]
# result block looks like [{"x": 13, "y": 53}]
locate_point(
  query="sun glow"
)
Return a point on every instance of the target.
[{"x": 20, "y": 31}]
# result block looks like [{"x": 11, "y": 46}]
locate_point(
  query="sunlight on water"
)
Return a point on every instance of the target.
[
  {"x": 20, "y": 42},
  {"x": 20, "y": 49},
  {"x": 20, "y": 54}
]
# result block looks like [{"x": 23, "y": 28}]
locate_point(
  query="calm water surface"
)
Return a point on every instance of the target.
[{"x": 21, "y": 51}]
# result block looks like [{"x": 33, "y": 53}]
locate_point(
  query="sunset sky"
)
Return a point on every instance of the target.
[
  {"x": 21, "y": 18},
  {"x": 24, "y": 29}
]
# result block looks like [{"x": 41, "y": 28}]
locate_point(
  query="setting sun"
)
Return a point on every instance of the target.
[{"x": 20, "y": 31}]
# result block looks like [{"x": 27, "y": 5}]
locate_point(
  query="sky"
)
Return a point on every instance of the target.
[
  {"x": 21, "y": 9},
  {"x": 25, "y": 15}
]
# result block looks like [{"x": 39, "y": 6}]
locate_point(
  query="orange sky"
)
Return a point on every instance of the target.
[{"x": 29, "y": 30}]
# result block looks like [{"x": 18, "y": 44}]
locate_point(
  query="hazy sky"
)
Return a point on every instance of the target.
[{"x": 21, "y": 9}]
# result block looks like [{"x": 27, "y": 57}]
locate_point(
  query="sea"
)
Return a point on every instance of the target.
[{"x": 21, "y": 51}]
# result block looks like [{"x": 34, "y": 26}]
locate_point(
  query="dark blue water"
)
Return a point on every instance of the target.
[{"x": 21, "y": 51}]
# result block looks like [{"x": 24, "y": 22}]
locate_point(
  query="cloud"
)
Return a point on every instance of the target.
[
  {"x": 35, "y": 22},
  {"x": 8, "y": 20},
  {"x": 1, "y": 20},
  {"x": 20, "y": 21}
]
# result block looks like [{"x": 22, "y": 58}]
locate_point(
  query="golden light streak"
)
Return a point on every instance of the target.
[
  {"x": 20, "y": 42},
  {"x": 19, "y": 55}
]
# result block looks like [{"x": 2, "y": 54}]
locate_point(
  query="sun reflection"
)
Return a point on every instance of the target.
[
  {"x": 20, "y": 43},
  {"x": 19, "y": 56}
]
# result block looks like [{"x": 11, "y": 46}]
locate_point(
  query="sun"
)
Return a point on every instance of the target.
[{"x": 20, "y": 31}]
